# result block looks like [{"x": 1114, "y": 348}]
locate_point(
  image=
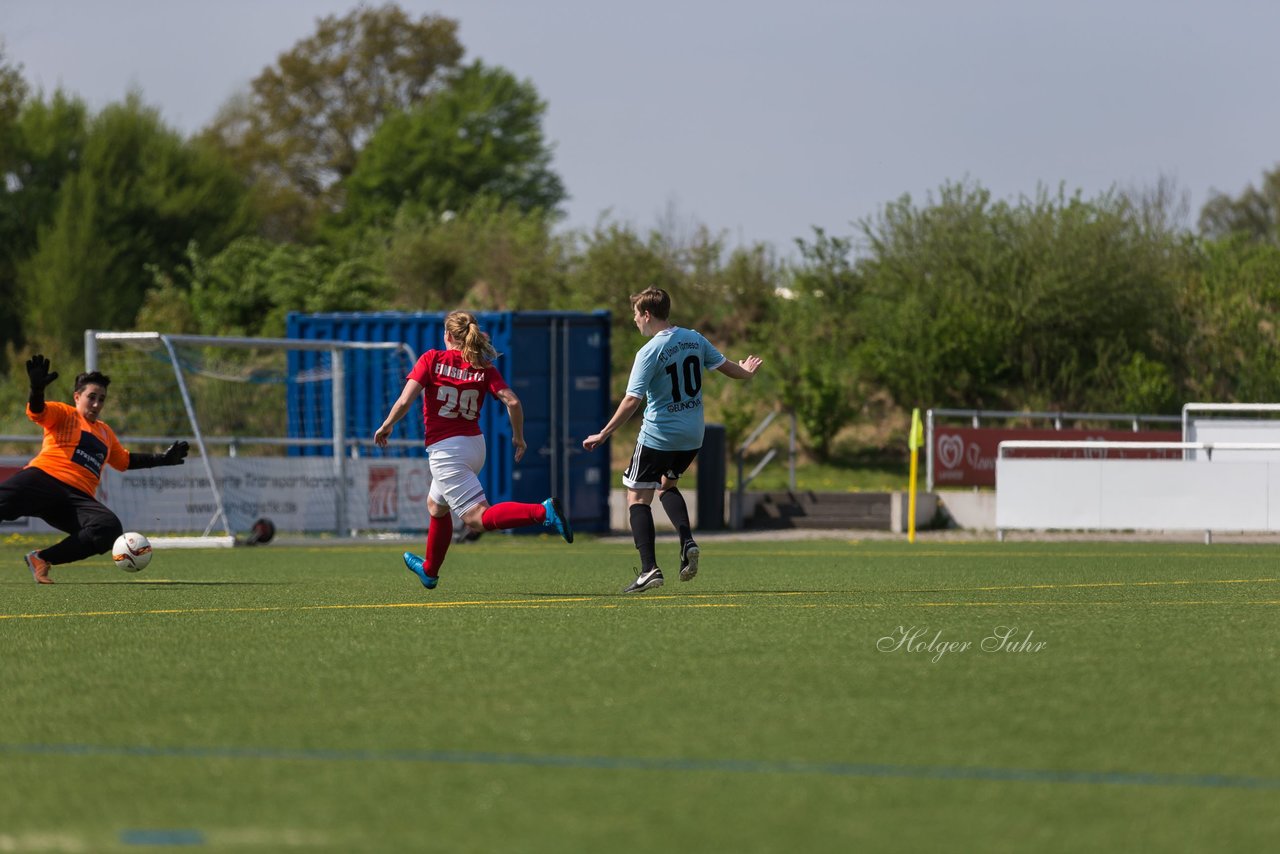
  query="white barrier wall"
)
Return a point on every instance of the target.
[
  {"x": 296, "y": 493},
  {"x": 1166, "y": 495}
]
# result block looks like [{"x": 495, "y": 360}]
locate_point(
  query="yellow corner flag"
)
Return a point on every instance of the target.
[{"x": 914, "y": 441}]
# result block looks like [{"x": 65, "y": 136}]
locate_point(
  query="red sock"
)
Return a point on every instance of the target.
[
  {"x": 439, "y": 535},
  {"x": 512, "y": 514}
]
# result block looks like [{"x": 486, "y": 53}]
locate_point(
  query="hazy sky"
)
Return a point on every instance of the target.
[{"x": 764, "y": 119}]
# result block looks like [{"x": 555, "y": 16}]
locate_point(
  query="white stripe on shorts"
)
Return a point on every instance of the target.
[{"x": 635, "y": 467}]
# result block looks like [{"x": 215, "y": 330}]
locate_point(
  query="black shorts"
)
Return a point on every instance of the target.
[
  {"x": 35, "y": 492},
  {"x": 649, "y": 466}
]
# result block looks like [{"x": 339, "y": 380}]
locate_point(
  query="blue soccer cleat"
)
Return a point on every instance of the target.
[
  {"x": 414, "y": 563},
  {"x": 556, "y": 519}
]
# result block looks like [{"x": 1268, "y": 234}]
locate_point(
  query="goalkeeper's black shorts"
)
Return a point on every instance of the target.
[{"x": 36, "y": 493}]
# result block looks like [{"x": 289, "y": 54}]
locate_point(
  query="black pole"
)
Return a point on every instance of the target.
[{"x": 712, "y": 479}]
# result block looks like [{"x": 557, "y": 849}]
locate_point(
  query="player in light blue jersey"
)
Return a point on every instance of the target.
[{"x": 667, "y": 378}]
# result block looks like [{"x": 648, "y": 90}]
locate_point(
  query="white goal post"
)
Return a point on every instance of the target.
[{"x": 230, "y": 393}]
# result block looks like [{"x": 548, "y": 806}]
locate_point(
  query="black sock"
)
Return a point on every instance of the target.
[
  {"x": 642, "y": 531},
  {"x": 678, "y": 513}
]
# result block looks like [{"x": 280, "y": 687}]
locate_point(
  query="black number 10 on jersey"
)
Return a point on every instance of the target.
[{"x": 691, "y": 369}]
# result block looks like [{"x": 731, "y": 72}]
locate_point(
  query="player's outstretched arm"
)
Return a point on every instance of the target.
[
  {"x": 626, "y": 409},
  {"x": 744, "y": 370},
  {"x": 410, "y": 392}
]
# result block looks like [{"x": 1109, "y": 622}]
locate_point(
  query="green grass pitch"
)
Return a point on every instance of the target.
[{"x": 799, "y": 696}]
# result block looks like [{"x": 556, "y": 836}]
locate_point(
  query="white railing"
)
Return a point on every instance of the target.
[
  {"x": 1213, "y": 427},
  {"x": 1056, "y": 419},
  {"x": 1091, "y": 445},
  {"x": 1188, "y": 408},
  {"x": 232, "y": 443},
  {"x": 738, "y": 501}
]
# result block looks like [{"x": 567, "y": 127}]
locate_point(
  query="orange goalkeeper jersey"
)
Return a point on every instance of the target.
[{"x": 74, "y": 450}]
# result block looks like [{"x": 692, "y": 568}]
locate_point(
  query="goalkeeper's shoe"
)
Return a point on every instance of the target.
[
  {"x": 689, "y": 560},
  {"x": 556, "y": 519},
  {"x": 646, "y": 580},
  {"x": 414, "y": 563},
  {"x": 39, "y": 568}
]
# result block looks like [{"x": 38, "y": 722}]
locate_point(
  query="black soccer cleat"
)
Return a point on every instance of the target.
[
  {"x": 689, "y": 561},
  {"x": 646, "y": 581}
]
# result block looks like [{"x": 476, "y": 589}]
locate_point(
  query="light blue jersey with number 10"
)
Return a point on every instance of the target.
[{"x": 667, "y": 375}]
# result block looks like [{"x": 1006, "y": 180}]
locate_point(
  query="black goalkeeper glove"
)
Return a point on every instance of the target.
[
  {"x": 175, "y": 454},
  {"x": 38, "y": 374}
]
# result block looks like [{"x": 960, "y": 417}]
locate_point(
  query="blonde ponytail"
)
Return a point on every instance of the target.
[{"x": 475, "y": 345}]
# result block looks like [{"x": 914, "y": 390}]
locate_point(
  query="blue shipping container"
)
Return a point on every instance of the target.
[{"x": 557, "y": 362}]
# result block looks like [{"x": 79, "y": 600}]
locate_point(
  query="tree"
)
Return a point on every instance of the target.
[
  {"x": 13, "y": 92},
  {"x": 1230, "y": 339},
  {"x": 136, "y": 195},
  {"x": 817, "y": 335},
  {"x": 488, "y": 255},
  {"x": 746, "y": 289},
  {"x": 722, "y": 292},
  {"x": 610, "y": 263},
  {"x": 975, "y": 303},
  {"x": 1255, "y": 212},
  {"x": 249, "y": 288},
  {"x": 42, "y": 148},
  {"x": 479, "y": 137},
  {"x": 299, "y": 130}
]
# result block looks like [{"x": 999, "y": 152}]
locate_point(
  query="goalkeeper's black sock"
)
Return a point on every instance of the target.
[{"x": 642, "y": 531}]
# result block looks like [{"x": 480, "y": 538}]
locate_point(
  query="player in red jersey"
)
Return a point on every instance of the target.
[{"x": 456, "y": 381}]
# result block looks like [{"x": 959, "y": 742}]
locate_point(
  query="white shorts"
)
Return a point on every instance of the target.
[{"x": 455, "y": 465}]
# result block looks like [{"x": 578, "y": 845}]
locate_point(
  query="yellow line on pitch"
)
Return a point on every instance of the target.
[
  {"x": 862, "y": 549},
  {"x": 279, "y": 608},
  {"x": 878, "y": 591},
  {"x": 855, "y": 591},
  {"x": 667, "y": 599},
  {"x": 854, "y": 552},
  {"x": 1006, "y": 605},
  {"x": 1098, "y": 584},
  {"x": 1126, "y": 603}
]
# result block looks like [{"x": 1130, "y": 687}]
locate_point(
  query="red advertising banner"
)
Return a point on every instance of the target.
[{"x": 966, "y": 456}]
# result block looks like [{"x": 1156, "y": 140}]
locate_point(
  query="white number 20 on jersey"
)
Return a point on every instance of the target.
[{"x": 459, "y": 405}]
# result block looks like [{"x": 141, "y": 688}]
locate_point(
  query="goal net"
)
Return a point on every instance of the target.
[{"x": 271, "y": 423}]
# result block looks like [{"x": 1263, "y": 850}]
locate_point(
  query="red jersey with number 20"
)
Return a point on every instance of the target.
[{"x": 453, "y": 393}]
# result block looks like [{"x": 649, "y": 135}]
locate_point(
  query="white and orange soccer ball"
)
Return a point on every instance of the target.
[{"x": 132, "y": 551}]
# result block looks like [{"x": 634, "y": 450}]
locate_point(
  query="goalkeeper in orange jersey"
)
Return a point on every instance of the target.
[{"x": 59, "y": 485}]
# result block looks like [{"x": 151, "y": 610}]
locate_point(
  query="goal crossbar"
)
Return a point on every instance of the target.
[{"x": 92, "y": 337}]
